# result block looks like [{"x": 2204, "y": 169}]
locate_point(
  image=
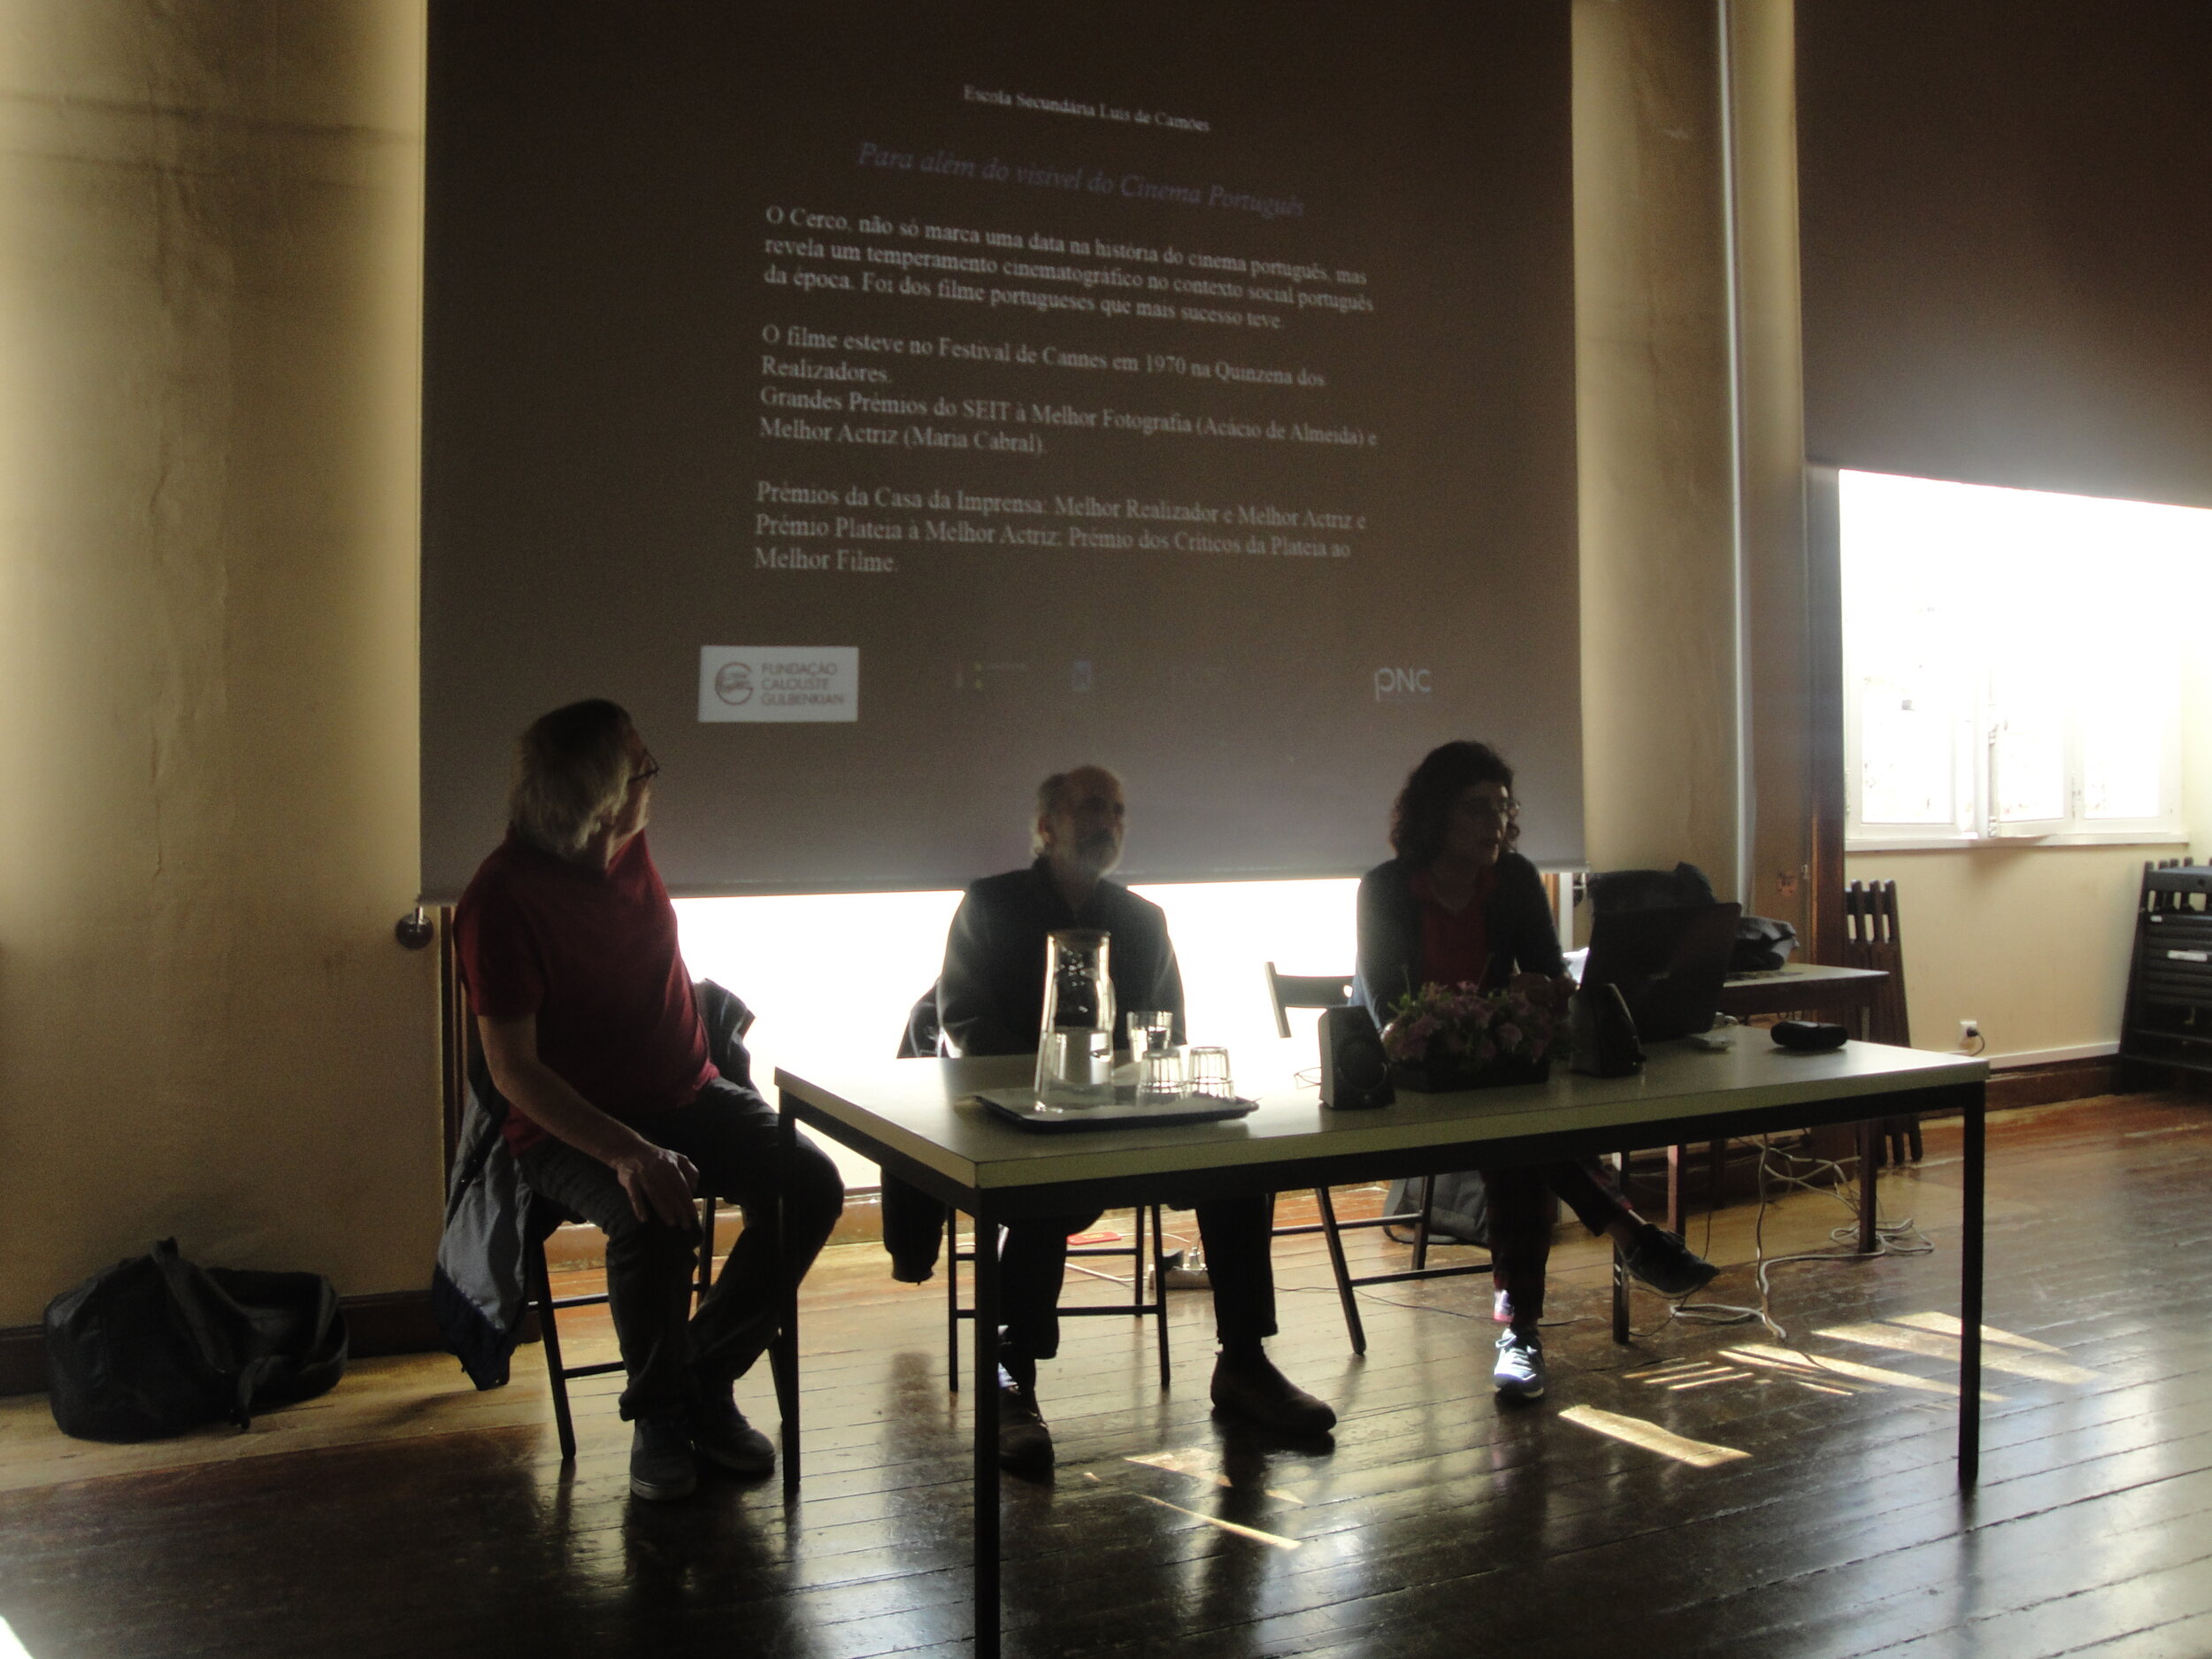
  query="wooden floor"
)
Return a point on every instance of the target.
[{"x": 405, "y": 1514}]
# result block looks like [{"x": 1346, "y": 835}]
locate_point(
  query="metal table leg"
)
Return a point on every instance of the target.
[
  {"x": 1970, "y": 1302},
  {"x": 987, "y": 1494},
  {"x": 783, "y": 1353}
]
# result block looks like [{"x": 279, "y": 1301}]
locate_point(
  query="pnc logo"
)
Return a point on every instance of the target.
[
  {"x": 734, "y": 684},
  {"x": 1399, "y": 685}
]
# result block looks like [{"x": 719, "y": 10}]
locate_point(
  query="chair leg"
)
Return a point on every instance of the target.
[
  {"x": 952, "y": 1296},
  {"x": 1136, "y": 1260},
  {"x": 1421, "y": 1227},
  {"x": 1159, "y": 1289},
  {"x": 1870, "y": 1135},
  {"x": 551, "y": 1333},
  {"x": 1620, "y": 1264},
  {"x": 1353, "y": 1327},
  {"x": 708, "y": 1215}
]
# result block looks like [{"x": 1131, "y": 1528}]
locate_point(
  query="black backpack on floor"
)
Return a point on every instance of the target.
[{"x": 154, "y": 1346}]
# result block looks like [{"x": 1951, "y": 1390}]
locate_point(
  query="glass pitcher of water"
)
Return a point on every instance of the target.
[{"x": 1075, "y": 1043}]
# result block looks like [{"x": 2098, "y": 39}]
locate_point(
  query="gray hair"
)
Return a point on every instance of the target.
[
  {"x": 572, "y": 772},
  {"x": 1050, "y": 792}
]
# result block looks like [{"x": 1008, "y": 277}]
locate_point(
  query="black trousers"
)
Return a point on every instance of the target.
[
  {"x": 1238, "y": 1235},
  {"x": 1520, "y": 1221},
  {"x": 729, "y": 1133}
]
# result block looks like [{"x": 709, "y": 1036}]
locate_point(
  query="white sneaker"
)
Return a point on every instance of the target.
[{"x": 1519, "y": 1374}]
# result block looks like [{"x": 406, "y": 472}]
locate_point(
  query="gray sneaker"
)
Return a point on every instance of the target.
[
  {"x": 1519, "y": 1373},
  {"x": 661, "y": 1466}
]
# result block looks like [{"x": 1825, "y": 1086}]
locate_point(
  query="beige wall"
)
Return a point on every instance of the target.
[
  {"x": 209, "y": 296},
  {"x": 2196, "y": 744},
  {"x": 2030, "y": 942}
]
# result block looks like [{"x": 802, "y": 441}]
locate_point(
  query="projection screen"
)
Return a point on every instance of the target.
[{"x": 891, "y": 403}]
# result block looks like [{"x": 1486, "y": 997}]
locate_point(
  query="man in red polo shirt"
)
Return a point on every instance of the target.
[{"x": 568, "y": 948}]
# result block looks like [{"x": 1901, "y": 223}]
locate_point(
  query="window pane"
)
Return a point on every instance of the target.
[
  {"x": 2027, "y": 750},
  {"x": 2029, "y": 761},
  {"x": 2124, "y": 746},
  {"x": 1906, "y": 771},
  {"x": 1998, "y": 655}
]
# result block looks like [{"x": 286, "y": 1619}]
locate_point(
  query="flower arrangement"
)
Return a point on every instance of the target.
[{"x": 1457, "y": 1036}]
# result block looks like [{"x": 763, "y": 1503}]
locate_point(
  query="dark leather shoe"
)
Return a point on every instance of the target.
[
  {"x": 1661, "y": 1261},
  {"x": 1254, "y": 1389},
  {"x": 1024, "y": 1445},
  {"x": 721, "y": 1434}
]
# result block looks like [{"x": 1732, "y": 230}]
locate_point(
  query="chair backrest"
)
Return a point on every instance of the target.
[
  {"x": 1305, "y": 990},
  {"x": 1614, "y": 891},
  {"x": 1871, "y": 940},
  {"x": 919, "y": 1040}
]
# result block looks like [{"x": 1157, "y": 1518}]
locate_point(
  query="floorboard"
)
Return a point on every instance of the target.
[{"x": 407, "y": 1514}]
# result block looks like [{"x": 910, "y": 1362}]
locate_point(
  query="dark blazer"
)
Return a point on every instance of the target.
[
  {"x": 1517, "y": 919},
  {"x": 991, "y": 996}
]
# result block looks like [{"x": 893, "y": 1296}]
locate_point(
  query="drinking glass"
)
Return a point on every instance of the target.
[
  {"x": 1151, "y": 1030},
  {"x": 1209, "y": 1074},
  {"x": 1159, "y": 1074}
]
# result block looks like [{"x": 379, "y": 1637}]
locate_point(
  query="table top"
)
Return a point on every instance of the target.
[
  {"x": 921, "y": 1111},
  {"x": 1800, "y": 985}
]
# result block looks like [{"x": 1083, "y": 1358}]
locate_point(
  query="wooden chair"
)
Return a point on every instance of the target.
[
  {"x": 1138, "y": 1305},
  {"x": 1872, "y": 940},
  {"x": 557, "y": 1373},
  {"x": 548, "y": 1306},
  {"x": 1287, "y": 991},
  {"x": 920, "y": 1039}
]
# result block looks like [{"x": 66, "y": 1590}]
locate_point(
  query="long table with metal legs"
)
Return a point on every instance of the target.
[{"x": 919, "y": 1121}]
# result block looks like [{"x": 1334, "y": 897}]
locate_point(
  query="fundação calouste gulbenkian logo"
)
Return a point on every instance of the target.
[{"x": 734, "y": 684}]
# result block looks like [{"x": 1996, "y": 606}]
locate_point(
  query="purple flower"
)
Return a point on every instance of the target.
[{"x": 1509, "y": 1037}]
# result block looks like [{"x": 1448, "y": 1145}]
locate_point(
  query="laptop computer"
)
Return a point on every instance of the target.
[{"x": 1668, "y": 963}]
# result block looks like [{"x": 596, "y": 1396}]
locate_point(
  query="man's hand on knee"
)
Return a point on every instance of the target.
[{"x": 659, "y": 1184}]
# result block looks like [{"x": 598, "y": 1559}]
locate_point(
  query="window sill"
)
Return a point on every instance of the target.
[{"x": 1980, "y": 843}]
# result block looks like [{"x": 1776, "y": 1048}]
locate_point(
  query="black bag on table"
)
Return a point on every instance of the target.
[{"x": 154, "y": 1346}]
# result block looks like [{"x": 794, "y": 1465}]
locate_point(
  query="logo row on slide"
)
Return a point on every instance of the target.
[
  {"x": 753, "y": 683},
  {"x": 757, "y": 683}
]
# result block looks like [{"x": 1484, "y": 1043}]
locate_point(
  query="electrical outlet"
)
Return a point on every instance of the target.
[{"x": 1970, "y": 1032}]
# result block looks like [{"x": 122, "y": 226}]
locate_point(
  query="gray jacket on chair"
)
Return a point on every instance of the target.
[{"x": 480, "y": 1290}]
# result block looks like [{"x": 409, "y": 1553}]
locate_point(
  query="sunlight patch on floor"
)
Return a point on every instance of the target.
[
  {"x": 1787, "y": 1359},
  {"x": 1201, "y": 1463},
  {"x": 1275, "y": 1539},
  {"x": 1949, "y": 1326},
  {"x": 1651, "y": 1437},
  {"x": 1905, "y": 1341}
]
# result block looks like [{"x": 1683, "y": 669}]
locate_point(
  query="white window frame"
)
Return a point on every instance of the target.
[{"x": 1976, "y": 723}]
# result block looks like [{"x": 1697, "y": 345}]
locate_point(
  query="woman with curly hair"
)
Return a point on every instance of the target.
[{"x": 1458, "y": 905}]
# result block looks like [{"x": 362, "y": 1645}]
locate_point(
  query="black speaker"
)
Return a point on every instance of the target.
[
  {"x": 1810, "y": 1036},
  {"x": 1604, "y": 1032},
  {"x": 1355, "y": 1071}
]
